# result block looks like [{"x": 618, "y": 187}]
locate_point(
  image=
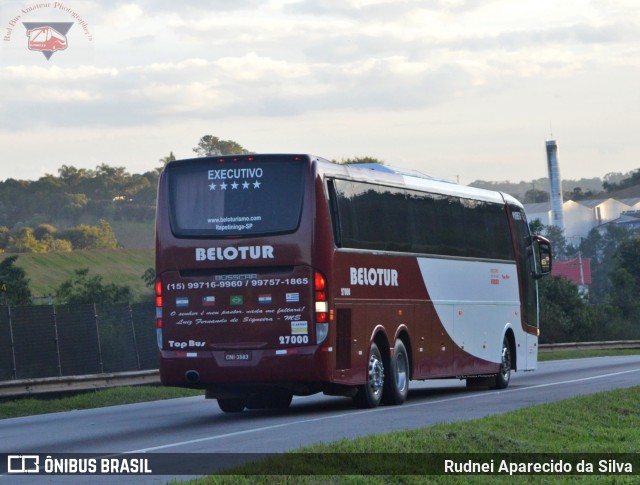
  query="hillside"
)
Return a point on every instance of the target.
[
  {"x": 134, "y": 235},
  {"x": 121, "y": 266}
]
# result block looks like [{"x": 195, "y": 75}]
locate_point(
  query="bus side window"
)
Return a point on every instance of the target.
[{"x": 335, "y": 214}]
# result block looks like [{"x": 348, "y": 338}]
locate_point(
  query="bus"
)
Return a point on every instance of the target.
[{"x": 286, "y": 274}]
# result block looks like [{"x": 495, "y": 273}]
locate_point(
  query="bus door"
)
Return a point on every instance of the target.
[{"x": 528, "y": 288}]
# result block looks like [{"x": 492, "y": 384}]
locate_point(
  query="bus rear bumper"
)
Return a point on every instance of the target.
[{"x": 206, "y": 369}]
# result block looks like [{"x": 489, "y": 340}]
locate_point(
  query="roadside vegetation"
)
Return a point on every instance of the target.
[
  {"x": 557, "y": 427},
  {"x": 46, "y": 272},
  {"x": 28, "y": 406}
]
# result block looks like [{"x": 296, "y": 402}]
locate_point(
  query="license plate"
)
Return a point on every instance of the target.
[{"x": 237, "y": 356}]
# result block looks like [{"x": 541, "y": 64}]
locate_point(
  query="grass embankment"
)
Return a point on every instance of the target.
[
  {"x": 89, "y": 400},
  {"x": 583, "y": 354},
  {"x": 606, "y": 422},
  {"x": 46, "y": 271}
]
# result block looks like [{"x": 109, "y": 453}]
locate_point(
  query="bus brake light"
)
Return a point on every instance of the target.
[{"x": 320, "y": 283}]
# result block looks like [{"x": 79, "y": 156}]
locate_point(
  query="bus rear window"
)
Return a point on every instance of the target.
[{"x": 236, "y": 198}]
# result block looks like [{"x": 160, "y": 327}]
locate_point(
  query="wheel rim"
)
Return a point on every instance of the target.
[
  {"x": 376, "y": 375},
  {"x": 505, "y": 369},
  {"x": 401, "y": 373}
]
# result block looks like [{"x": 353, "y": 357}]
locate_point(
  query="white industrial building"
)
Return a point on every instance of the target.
[{"x": 583, "y": 215}]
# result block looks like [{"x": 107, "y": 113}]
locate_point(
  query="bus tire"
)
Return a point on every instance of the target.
[
  {"x": 280, "y": 400},
  {"x": 504, "y": 375},
  {"x": 396, "y": 381},
  {"x": 231, "y": 404},
  {"x": 370, "y": 394}
]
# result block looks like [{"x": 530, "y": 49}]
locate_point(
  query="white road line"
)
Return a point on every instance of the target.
[{"x": 380, "y": 409}]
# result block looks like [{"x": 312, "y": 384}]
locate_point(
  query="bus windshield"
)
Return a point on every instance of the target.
[{"x": 235, "y": 198}]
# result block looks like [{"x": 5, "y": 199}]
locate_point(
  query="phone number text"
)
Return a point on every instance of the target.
[{"x": 197, "y": 285}]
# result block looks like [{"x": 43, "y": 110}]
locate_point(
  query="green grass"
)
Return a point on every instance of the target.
[
  {"x": 582, "y": 354},
  {"x": 606, "y": 422},
  {"x": 134, "y": 235},
  {"x": 46, "y": 271},
  {"x": 91, "y": 399}
]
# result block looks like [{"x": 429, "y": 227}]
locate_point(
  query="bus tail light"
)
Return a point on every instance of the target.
[
  {"x": 322, "y": 307},
  {"x": 159, "y": 312}
]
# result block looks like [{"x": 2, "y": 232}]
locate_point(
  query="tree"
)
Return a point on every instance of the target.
[
  {"x": 82, "y": 288},
  {"x": 169, "y": 158},
  {"x": 14, "y": 283},
  {"x": 564, "y": 316},
  {"x": 5, "y": 234},
  {"x": 625, "y": 277},
  {"x": 632, "y": 180},
  {"x": 561, "y": 248},
  {"x": 210, "y": 145},
  {"x": 367, "y": 159},
  {"x": 149, "y": 277},
  {"x": 26, "y": 242},
  {"x": 534, "y": 196},
  {"x": 601, "y": 247},
  {"x": 536, "y": 226},
  {"x": 91, "y": 237}
]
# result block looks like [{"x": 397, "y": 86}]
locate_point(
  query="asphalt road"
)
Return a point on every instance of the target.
[{"x": 196, "y": 425}]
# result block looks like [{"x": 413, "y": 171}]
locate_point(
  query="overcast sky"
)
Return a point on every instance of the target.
[{"x": 454, "y": 88}]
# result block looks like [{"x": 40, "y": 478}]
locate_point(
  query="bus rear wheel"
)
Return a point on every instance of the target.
[
  {"x": 231, "y": 404},
  {"x": 396, "y": 382},
  {"x": 370, "y": 394},
  {"x": 504, "y": 375}
]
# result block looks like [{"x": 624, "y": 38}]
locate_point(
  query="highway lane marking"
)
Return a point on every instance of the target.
[{"x": 379, "y": 409}]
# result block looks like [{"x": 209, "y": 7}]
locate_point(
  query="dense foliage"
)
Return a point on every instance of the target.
[
  {"x": 82, "y": 288},
  {"x": 611, "y": 310},
  {"x": 78, "y": 195},
  {"x": 14, "y": 285},
  {"x": 530, "y": 192}
]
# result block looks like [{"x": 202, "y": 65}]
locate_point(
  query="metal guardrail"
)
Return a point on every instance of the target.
[
  {"x": 28, "y": 387},
  {"x": 44, "y": 385}
]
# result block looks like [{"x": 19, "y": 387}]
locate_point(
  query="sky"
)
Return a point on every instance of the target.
[{"x": 460, "y": 89}]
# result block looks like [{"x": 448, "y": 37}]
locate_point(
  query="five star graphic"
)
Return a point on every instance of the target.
[{"x": 235, "y": 185}]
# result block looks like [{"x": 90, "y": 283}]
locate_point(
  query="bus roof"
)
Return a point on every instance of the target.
[
  {"x": 414, "y": 179},
  {"x": 377, "y": 173}
]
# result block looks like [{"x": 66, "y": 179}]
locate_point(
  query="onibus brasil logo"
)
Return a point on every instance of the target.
[{"x": 47, "y": 37}]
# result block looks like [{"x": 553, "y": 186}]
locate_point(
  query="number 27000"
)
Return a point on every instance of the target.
[{"x": 293, "y": 339}]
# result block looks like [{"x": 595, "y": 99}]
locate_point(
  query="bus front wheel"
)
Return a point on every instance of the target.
[
  {"x": 397, "y": 378},
  {"x": 504, "y": 376},
  {"x": 370, "y": 394}
]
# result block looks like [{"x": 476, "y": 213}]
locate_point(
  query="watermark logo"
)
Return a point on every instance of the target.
[
  {"x": 23, "y": 463},
  {"x": 47, "y": 29},
  {"x": 47, "y": 37}
]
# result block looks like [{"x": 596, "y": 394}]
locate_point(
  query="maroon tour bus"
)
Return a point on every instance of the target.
[{"x": 282, "y": 275}]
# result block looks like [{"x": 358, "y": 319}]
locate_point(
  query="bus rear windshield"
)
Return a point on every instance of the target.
[{"x": 235, "y": 198}]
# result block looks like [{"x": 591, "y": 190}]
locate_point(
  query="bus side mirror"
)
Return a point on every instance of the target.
[{"x": 542, "y": 255}]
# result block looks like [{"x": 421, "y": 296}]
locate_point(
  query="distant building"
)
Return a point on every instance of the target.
[
  {"x": 555, "y": 184},
  {"x": 577, "y": 270},
  {"x": 583, "y": 215},
  {"x": 628, "y": 219}
]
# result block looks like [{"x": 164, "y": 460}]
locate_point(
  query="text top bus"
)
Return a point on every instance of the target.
[{"x": 281, "y": 275}]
